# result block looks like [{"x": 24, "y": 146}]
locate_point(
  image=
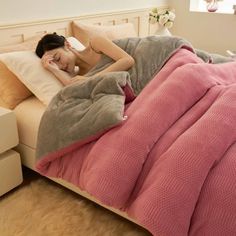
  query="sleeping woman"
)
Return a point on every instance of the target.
[
  {"x": 62, "y": 60},
  {"x": 142, "y": 57}
]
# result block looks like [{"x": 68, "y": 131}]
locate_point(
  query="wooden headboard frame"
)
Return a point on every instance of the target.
[{"x": 17, "y": 33}]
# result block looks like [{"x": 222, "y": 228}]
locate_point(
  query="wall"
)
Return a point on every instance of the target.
[
  {"x": 209, "y": 31},
  {"x": 213, "y": 32},
  {"x": 30, "y": 10}
]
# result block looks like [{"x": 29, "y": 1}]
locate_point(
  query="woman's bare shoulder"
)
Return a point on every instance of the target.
[
  {"x": 95, "y": 39},
  {"x": 99, "y": 42}
]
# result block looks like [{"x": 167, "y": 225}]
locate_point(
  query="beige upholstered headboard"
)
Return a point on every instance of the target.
[{"x": 17, "y": 33}]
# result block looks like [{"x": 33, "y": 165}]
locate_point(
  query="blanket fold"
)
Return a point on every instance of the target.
[{"x": 71, "y": 115}]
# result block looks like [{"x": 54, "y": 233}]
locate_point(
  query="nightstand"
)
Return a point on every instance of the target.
[{"x": 10, "y": 163}]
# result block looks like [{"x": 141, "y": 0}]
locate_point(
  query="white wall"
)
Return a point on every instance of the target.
[
  {"x": 213, "y": 32},
  {"x": 30, "y": 10}
]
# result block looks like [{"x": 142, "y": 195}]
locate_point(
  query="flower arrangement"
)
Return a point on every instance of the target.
[{"x": 164, "y": 17}]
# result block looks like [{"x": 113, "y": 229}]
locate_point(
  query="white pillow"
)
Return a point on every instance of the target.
[
  {"x": 26, "y": 65},
  {"x": 75, "y": 43}
]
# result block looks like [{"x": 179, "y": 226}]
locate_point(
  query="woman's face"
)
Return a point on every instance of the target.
[{"x": 63, "y": 58}]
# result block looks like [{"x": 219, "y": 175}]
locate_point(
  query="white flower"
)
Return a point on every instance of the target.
[
  {"x": 168, "y": 24},
  {"x": 154, "y": 10},
  {"x": 163, "y": 19},
  {"x": 171, "y": 16},
  {"x": 152, "y": 20},
  {"x": 161, "y": 12},
  {"x": 154, "y": 14}
]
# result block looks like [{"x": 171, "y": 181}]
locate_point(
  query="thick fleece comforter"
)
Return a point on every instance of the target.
[
  {"x": 85, "y": 110},
  {"x": 171, "y": 164}
]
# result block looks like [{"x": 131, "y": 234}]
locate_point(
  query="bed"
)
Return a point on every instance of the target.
[
  {"x": 171, "y": 168},
  {"x": 28, "y": 108}
]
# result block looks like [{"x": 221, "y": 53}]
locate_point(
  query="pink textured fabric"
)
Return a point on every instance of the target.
[{"x": 171, "y": 165}]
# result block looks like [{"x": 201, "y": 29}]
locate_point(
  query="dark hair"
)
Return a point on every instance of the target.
[{"x": 49, "y": 42}]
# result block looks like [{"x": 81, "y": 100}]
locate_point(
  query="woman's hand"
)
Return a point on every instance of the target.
[
  {"x": 48, "y": 63},
  {"x": 63, "y": 76}
]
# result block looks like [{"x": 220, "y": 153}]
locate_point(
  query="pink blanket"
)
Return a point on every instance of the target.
[{"x": 172, "y": 164}]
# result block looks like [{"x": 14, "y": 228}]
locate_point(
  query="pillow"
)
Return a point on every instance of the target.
[
  {"x": 75, "y": 43},
  {"x": 12, "y": 91},
  {"x": 83, "y": 32},
  {"x": 29, "y": 70}
]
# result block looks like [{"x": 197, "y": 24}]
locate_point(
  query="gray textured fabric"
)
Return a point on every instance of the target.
[
  {"x": 212, "y": 57},
  {"x": 87, "y": 108},
  {"x": 150, "y": 54},
  {"x": 81, "y": 110}
]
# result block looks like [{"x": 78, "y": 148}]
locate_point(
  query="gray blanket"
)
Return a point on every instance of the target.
[
  {"x": 150, "y": 54},
  {"x": 82, "y": 111}
]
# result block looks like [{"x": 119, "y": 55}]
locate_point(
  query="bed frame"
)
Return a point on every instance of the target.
[{"x": 17, "y": 33}]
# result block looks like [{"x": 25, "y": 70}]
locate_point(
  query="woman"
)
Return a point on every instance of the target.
[{"x": 61, "y": 59}]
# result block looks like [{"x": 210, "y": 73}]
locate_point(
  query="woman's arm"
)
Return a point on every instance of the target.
[{"x": 123, "y": 61}]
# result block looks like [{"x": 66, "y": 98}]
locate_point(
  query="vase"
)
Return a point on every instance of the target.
[
  {"x": 161, "y": 30},
  {"x": 212, "y": 5}
]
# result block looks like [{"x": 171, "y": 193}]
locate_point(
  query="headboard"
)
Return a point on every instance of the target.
[{"x": 17, "y": 33}]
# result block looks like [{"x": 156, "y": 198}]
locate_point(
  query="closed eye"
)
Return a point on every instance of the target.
[{"x": 57, "y": 59}]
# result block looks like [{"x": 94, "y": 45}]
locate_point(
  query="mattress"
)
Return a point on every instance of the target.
[{"x": 28, "y": 114}]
